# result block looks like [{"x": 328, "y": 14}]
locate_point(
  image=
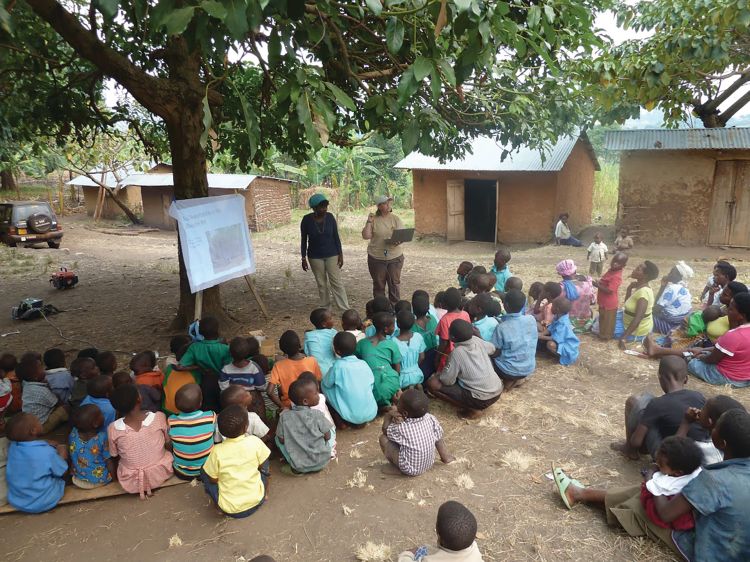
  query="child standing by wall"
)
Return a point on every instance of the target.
[
  {"x": 559, "y": 338},
  {"x": 35, "y": 468},
  {"x": 139, "y": 439},
  {"x": 303, "y": 433},
  {"x": 348, "y": 385},
  {"x": 456, "y": 530},
  {"x": 90, "y": 462},
  {"x": 37, "y": 397},
  {"x": 286, "y": 371},
  {"x": 383, "y": 357},
  {"x": 597, "y": 255},
  {"x": 608, "y": 286},
  {"x": 99, "y": 389},
  {"x": 58, "y": 377},
  {"x": 411, "y": 434},
  {"x": 412, "y": 348},
  {"x": 319, "y": 342},
  {"x": 235, "y": 474},
  {"x": 191, "y": 432}
]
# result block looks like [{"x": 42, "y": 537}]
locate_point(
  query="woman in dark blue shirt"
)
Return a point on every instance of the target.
[{"x": 321, "y": 245}]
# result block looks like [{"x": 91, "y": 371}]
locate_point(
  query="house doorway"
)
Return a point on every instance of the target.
[
  {"x": 729, "y": 221},
  {"x": 480, "y": 210}
]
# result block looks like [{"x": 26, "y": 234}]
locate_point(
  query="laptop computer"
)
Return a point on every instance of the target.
[{"x": 401, "y": 235}]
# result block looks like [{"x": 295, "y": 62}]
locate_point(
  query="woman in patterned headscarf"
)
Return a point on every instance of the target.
[
  {"x": 579, "y": 290},
  {"x": 673, "y": 301}
]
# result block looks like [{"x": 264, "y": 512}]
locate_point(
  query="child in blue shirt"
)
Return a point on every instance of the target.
[
  {"x": 348, "y": 385},
  {"x": 99, "y": 389},
  {"x": 560, "y": 339},
  {"x": 412, "y": 347},
  {"x": 58, "y": 377},
  {"x": 319, "y": 342},
  {"x": 464, "y": 268},
  {"x": 90, "y": 463},
  {"x": 500, "y": 269},
  {"x": 35, "y": 468},
  {"x": 483, "y": 310}
]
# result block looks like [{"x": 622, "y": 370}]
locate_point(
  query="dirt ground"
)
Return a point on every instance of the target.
[{"x": 126, "y": 300}]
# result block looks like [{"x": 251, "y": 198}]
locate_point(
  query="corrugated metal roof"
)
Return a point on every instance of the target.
[
  {"x": 486, "y": 155},
  {"x": 109, "y": 178},
  {"x": 678, "y": 139},
  {"x": 215, "y": 181}
]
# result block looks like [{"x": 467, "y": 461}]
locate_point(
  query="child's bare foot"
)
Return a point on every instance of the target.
[
  {"x": 623, "y": 448},
  {"x": 469, "y": 414},
  {"x": 649, "y": 345}
]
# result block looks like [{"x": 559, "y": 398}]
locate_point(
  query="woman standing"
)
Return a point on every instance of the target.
[
  {"x": 637, "y": 319},
  {"x": 673, "y": 302},
  {"x": 322, "y": 246},
  {"x": 384, "y": 259}
]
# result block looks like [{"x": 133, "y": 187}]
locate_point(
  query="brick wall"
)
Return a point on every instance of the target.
[{"x": 270, "y": 204}]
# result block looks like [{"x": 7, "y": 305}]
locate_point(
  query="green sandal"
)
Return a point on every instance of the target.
[{"x": 563, "y": 482}]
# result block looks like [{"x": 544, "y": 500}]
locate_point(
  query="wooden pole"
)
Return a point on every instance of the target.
[
  {"x": 256, "y": 294},
  {"x": 61, "y": 190},
  {"x": 198, "y": 305}
]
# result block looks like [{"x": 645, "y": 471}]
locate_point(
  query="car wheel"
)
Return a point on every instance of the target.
[{"x": 54, "y": 244}]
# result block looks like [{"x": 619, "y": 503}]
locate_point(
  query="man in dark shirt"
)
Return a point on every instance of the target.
[{"x": 649, "y": 420}]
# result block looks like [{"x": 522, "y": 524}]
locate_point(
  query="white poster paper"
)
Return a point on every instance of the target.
[{"x": 215, "y": 239}]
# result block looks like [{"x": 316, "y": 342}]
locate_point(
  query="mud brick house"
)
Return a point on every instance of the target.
[
  {"x": 129, "y": 195},
  {"x": 268, "y": 200},
  {"x": 485, "y": 197},
  {"x": 687, "y": 186}
]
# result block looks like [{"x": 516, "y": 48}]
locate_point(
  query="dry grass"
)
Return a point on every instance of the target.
[
  {"x": 518, "y": 460},
  {"x": 464, "y": 481},
  {"x": 372, "y": 552},
  {"x": 358, "y": 479}
]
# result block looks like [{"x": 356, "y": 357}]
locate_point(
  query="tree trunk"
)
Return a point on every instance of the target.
[
  {"x": 189, "y": 176},
  {"x": 7, "y": 181}
]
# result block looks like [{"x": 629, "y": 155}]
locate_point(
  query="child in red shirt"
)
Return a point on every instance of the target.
[
  {"x": 452, "y": 300},
  {"x": 608, "y": 286}
]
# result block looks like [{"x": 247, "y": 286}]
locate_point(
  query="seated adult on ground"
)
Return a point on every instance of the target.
[
  {"x": 673, "y": 301},
  {"x": 649, "y": 420},
  {"x": 468, "y": 380},
  {"x": 719, "y": 498},
  {"x": 637, "y": 320},
  {"x": 563, "y": 236},
  {"x": 515, "y": 340},
  {"x": 728, "y": 362}
]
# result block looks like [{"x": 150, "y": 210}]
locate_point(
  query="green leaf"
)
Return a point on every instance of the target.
[
  {"x": 236, "y": 20},
  {"x": 422, "y": 68},
  {"x": 410, "y": 136},
  {"x": 207, "y": 120},
  {"x": 406, "y": 86},
  {"x": 448, "y": 73},
  {"x": 177, "y": 20},
  {"x": 462, "y": 5},
  {"x": 549, "y": 13},
  {"x": 214, "y": 9},
  {"x": 5, "y": 21},
  {"x": 274, "y": 49},
  {"x": 108, "y": 7},
  {"x": 435, "y": 86},
  {"x": 305, "y": 117},
  {"x": 342, "y": 98},
  {"x": 394, "y": 35},
  {"x": 534, "y": 17},
  {"x": 251, "y": 123},
  {"x": 376, "y": 6},
  {"x": 484, "y": 31}
]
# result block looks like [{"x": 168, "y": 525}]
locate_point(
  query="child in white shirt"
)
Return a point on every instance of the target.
[{"x": 597, "y": 255}]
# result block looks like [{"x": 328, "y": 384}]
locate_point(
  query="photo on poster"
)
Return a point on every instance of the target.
[{"x": 226, "y": 248}]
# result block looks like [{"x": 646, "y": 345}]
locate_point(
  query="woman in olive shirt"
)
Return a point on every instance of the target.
[{"x": 384, "y": 260}]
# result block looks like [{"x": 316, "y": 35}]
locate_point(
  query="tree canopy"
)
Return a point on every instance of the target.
[
  {"x": 437, "y": 72},
  {"x": 696, "y": 59}
]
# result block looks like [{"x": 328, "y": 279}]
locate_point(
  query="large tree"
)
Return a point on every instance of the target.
[
  {"x": 436, "y": 71},
  {"x": 47, "y": 93},
  {"x": 694, "y": 58}
]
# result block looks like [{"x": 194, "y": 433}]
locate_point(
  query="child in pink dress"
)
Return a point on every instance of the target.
[{"x": 139, "y": 439}]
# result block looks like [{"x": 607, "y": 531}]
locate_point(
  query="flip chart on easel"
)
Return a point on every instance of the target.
[{"x": 215, "y": 238}]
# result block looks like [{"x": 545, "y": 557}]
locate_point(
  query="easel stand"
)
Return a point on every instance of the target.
[{"x": 253, "y": 290}]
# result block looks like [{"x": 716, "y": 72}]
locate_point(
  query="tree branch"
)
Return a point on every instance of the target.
[
  {"x": 734, "y": 108},
  {"x": 712, "y": 105},
  {"x": 153, "y": 93}
]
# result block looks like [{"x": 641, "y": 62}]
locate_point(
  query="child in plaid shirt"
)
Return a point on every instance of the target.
[{"x": 411, "y": 435}]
